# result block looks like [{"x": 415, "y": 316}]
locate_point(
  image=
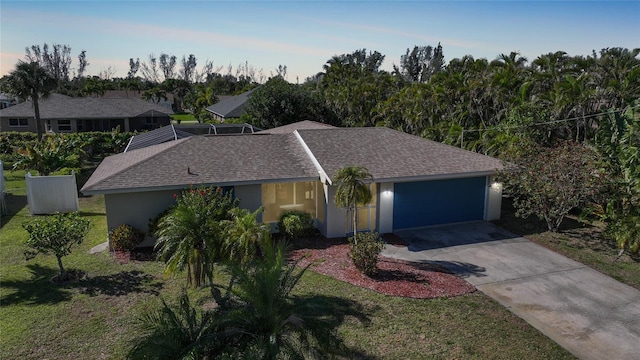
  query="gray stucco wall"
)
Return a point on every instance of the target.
[
  {"x": 250, "y": 197},
  {"x": 136, "y": 209}
]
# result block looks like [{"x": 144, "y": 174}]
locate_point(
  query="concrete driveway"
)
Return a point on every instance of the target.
[{"x": 591, "y": 315}]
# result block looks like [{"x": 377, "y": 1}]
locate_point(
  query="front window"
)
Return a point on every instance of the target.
[
  {"x": 304, "y": 196},
  {"x": 18, "y": 122},
  {"x": 64, "y": 125}
]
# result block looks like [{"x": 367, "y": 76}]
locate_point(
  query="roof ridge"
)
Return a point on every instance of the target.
[{"x": 169, "y": 145}]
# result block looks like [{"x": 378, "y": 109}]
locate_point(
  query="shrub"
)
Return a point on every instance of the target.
[
  {"x": 55, "y": 234},
  {"x": 125, "y": 237},
  {"x": 364, "y": 251},
  {"x": 295, "y": 224}
]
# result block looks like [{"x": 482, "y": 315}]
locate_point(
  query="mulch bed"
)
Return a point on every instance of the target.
[{"x": 397, "y": 278}]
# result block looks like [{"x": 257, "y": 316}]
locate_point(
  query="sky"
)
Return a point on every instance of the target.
[{"x": 303, "y": 35}]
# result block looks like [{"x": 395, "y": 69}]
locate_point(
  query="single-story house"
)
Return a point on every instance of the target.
[
  {"x": 134, "y": 94},
  {"x": 62, "y": 113},
  {"x": 416, "y": 182},
  {"x": 229, "y": 107}
]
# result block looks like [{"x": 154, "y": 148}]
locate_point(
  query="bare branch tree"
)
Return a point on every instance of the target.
[
  {"x": 188, "y": 67},
  {"x": 149, "y": 69},
  {"x": 134, "y": 66}
]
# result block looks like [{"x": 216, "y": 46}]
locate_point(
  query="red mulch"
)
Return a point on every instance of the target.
[{"x": 395, "y": 277}]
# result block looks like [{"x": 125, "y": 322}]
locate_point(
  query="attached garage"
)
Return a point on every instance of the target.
[{"x": 436, "y": 202}]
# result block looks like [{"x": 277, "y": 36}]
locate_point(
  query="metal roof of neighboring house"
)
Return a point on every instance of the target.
[
  {"x": 302, "y": 153},
  {"x": 64, "y": 107},
  {"x": 231, "y": 107},
  {"x": 392, "y": 155},
  {"x": 218, "y": 160},
  {"x": 300, "y": 125}
]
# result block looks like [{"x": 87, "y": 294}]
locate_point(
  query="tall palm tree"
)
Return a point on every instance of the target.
[
  {"x": 353, "y": 190},
  {"x": 30, "y": 80}
]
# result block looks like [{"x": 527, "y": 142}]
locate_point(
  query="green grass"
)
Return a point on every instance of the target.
[
  {"x": 184, "y": 118},
  {"x": 93, "y": 318},
  {"x": 580, "y": 241}
]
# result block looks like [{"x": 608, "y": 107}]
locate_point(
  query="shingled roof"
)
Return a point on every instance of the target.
[
  {"x": 304, "y": 152},
  {"x": 390, "y": 155},
  {"x": 219, "y": 160},
  {"x": 231, "y": 107},
  {"x": 64, "y": 107}
]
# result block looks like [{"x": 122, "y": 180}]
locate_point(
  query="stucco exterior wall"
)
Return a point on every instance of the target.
[
  {"x": 493, "y": 200},
  {"x": 250, "y": 197},
  {"x": 335, "y": 216},
  {"x": 385, "y": 208},
  {"x": 136, "y": 209},
  {"x": 4, "y": 125}
]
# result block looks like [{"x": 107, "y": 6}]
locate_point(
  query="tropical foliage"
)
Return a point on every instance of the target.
[
  {"x": 262, "y": 320},
  {"x": 55, "y": 234},
  {"x": 352, "y": 190},
  {"x": 550, "y": 182},
  {"x": 125, "y": 237},
  {"x": 31, "y": 81},
  {"x": 191, "y": 236},
  {"x": 51, "y": 154},
  {"x": 619, "y": 144}
]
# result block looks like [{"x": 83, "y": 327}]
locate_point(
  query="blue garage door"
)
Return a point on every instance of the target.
[{"x": 438, "y": 202}]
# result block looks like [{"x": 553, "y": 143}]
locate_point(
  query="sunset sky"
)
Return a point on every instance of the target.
[{"x": 304, "y": 35}]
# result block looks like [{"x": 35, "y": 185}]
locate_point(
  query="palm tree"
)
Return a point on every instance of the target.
[
  {"x": 267, "y": 320},
  {"x": 30, "y": 80},
  {"x": 353, "y": 190},
  {"x": 190, "y": 235},
  {"x": 245, "y": 235},
  {"x": 176, "y": 333}
]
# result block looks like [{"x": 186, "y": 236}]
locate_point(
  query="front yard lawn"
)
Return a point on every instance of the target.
[{"x": 93, "y": 318}]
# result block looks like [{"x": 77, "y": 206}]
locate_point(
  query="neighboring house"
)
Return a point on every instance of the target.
[
  {"x": 6, "y": 101},
  {"x": 134, "y": 94},
  {"x": 230, "y": 107},
  {"x": 62, "y": 113},
  {"x": 416, "y": 182}
]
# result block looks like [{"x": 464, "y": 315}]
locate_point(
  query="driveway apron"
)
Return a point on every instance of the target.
[{"x": 591, "y": 315}]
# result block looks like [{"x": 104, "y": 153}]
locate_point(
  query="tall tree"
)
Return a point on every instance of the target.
[
  {"x": 353, "y": 190},
  {"x": 134, "y": 66},
  {"x": 168, "y": 65},
  {"x": 149, "y": 69},
  {"x": 31, "y": 81},
  {"x": 188, "y": 67},
  {"x": 82, "y": 63}
]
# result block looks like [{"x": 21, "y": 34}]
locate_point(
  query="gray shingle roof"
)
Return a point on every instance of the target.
[
  {"x": 234, "y": 159},
  {"x": 219, "y": 160},
  {"x": 64, "y": 107},
  {"x": 300, "y": 125},
  {"x": 231, "y": 107},
  {"x": 390, "y": 154}
]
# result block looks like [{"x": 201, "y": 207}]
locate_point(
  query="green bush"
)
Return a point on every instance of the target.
[
  {"x": 295, "y": 224},
  {"x": 364, "y": 252},
  {"x": 125, "y": 237}
]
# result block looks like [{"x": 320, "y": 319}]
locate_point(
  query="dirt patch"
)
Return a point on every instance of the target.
[{"x": 395, "y": 277}]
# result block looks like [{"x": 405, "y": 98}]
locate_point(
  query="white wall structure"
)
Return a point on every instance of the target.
[
  {"x": 385, "y": 208},
  {"x": 49, "y": 194},
  {"x": 493, "y": 200}
]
